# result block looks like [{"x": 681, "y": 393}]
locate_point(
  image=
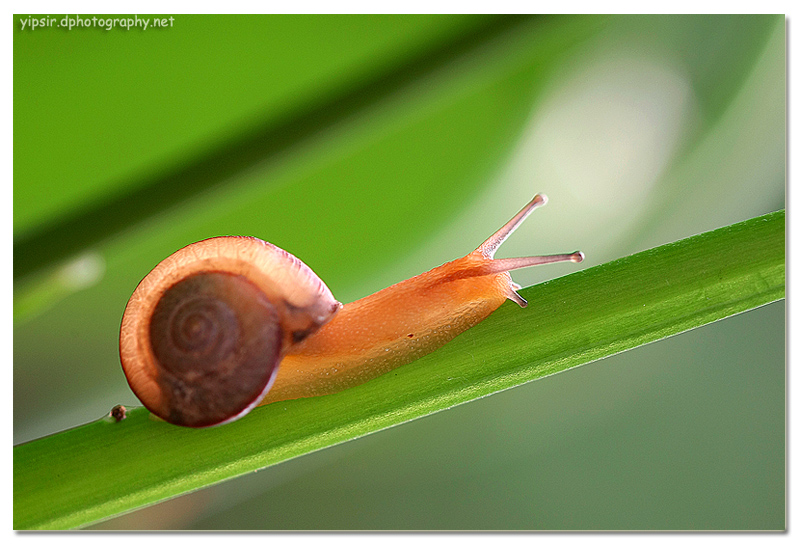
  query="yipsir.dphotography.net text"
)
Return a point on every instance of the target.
[{"x": 74, "y": 22}]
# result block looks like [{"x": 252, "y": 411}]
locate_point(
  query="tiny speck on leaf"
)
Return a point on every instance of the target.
[{"x": 118, "y": 412}]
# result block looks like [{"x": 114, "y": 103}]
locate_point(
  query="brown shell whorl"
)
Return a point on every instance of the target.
[
  {"x": 214, "y": 336},
  {"x": 204, "y": 332}
]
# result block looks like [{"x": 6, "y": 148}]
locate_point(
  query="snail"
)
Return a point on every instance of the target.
[{"x": 232, "y": 322}]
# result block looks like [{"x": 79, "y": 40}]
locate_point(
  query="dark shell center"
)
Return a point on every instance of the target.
[{"x": 217, "y": 341}]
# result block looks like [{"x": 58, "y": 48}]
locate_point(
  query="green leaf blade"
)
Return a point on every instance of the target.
[{"x": 102, "y": 469}]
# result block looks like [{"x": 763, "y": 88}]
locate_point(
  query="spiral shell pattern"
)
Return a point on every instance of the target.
[
  {"x": 204, "y": 333},
  {"x": 214, "y": 335}
]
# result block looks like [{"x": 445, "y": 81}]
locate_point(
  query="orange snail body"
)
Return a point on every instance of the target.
[{"x": 227, "y": 302}]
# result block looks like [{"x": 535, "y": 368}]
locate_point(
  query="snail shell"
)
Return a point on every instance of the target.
[{"x": 204, "y": 332}]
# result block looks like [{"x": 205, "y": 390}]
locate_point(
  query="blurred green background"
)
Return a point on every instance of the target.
[{"x": 377, "y": 147}]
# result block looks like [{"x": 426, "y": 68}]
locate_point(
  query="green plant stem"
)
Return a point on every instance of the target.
[{"x": 105, "y": 468}]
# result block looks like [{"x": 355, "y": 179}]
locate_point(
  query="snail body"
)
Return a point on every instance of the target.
[{"x": 230, "y": 302}]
